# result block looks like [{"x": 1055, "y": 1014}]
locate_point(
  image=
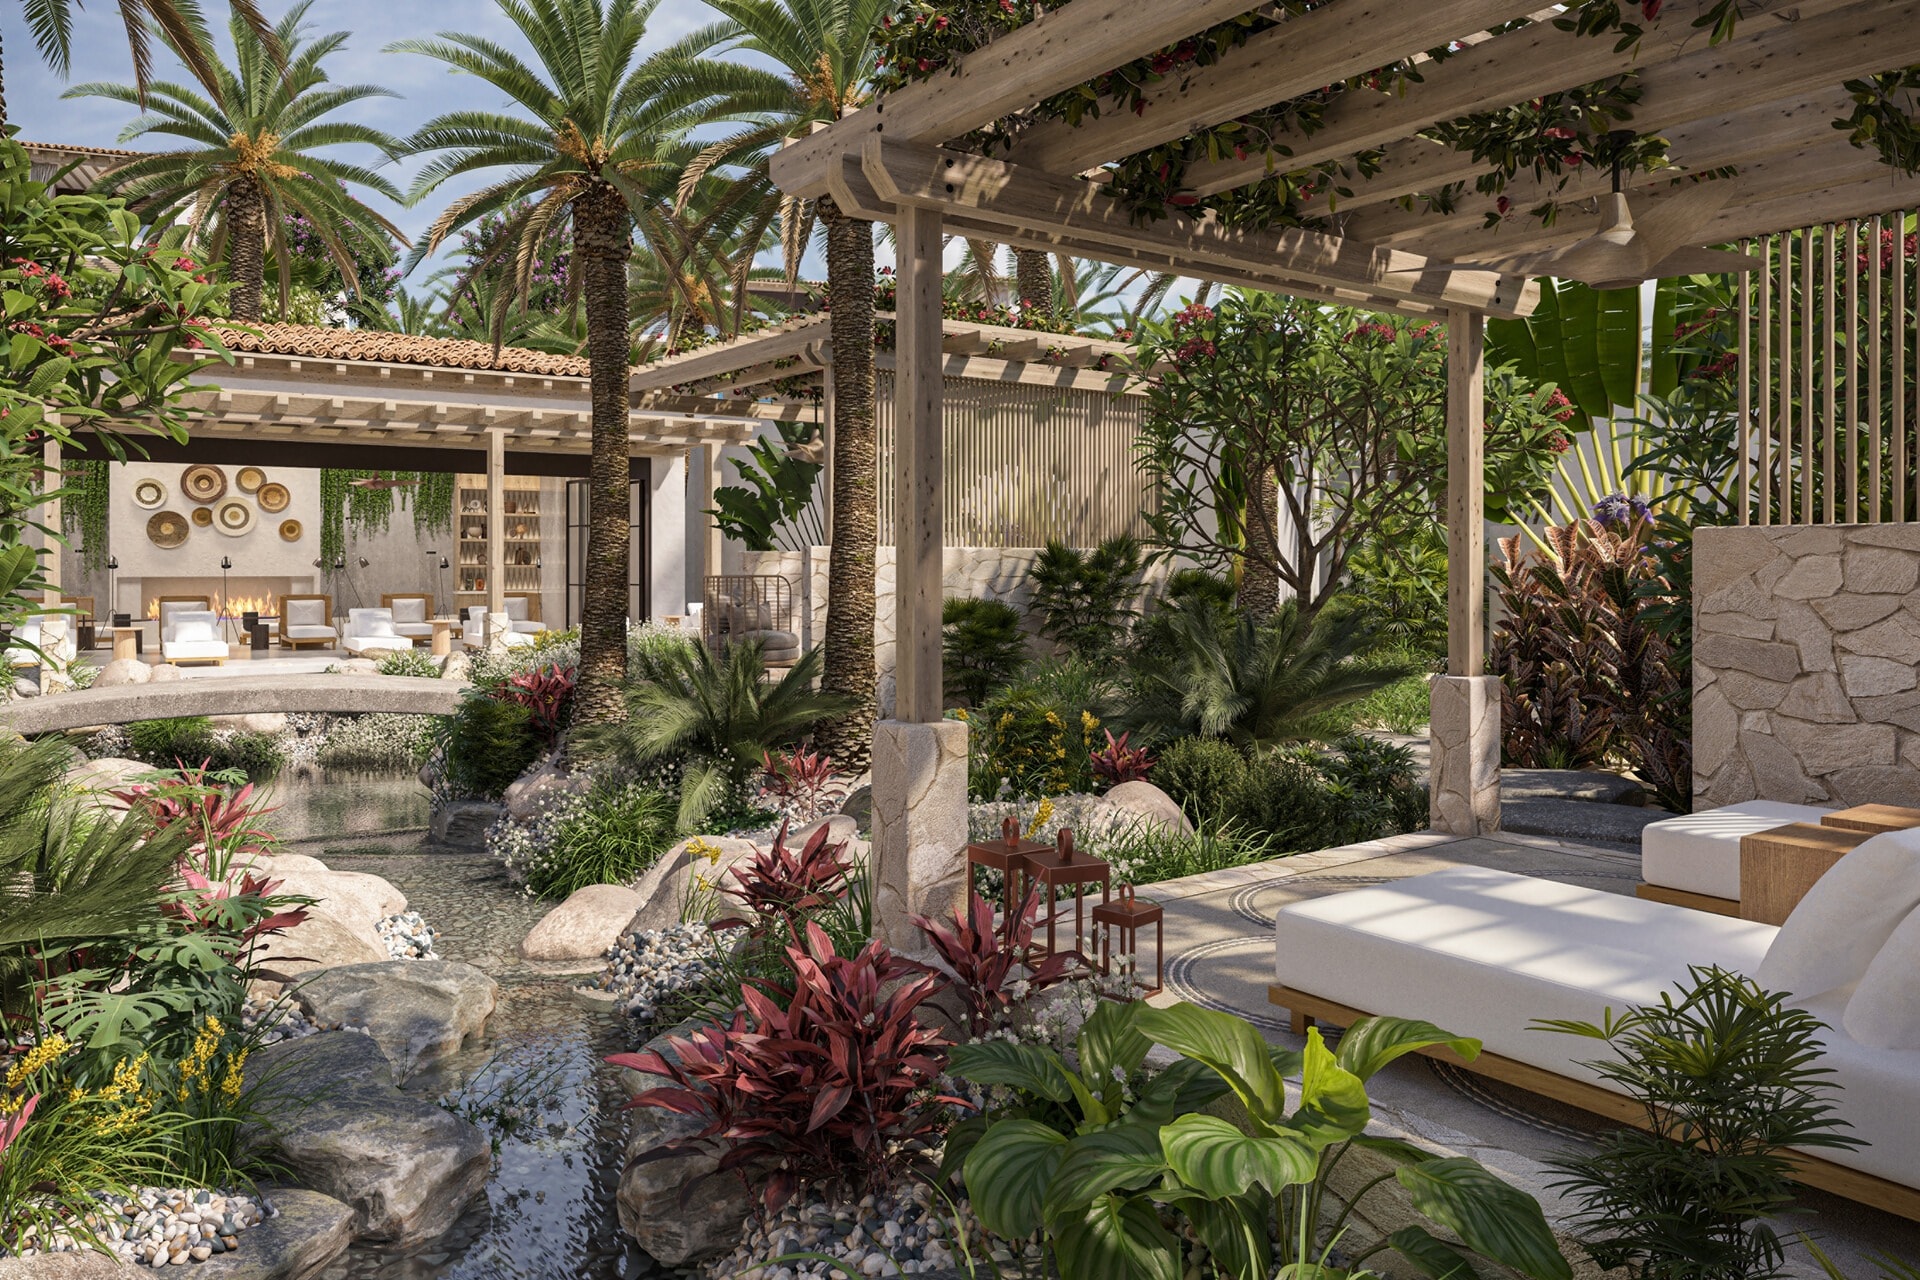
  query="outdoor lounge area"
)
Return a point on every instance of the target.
[{"x": 979, "y": 639}]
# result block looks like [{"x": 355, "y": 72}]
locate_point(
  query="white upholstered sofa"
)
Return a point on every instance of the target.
[
  {"x": 1486, "y": 953},
  {"x": 190, "y": 635},
  {"x": 1694, "y": 860}
]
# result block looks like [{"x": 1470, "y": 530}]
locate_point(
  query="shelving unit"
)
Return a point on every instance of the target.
[{"x": 521, "y": 519}]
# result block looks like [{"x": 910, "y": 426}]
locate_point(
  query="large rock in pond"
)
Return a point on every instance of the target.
[
  {"x": 462, "y": 824},
  {"x": 584, "y": 926},
  {"x": 353, "y": 896},
  {"x": 321, "y": 941},
  {"x": 1145, "y": 803},
  {"x": 663, "y": 890},
  {"x": 531, "y": 789},
  {"x": 334, "y": 1121},
  {"x": 675, "y": 1201},
  {"x": 416, "y": 1010}
]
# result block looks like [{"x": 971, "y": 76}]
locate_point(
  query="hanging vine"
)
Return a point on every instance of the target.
[
  {"x": 433, "y": 503},
  {"x": 367, "y": 510},
  {"x": 333, "y": 514},
  {"x": 84, "y": 510}
]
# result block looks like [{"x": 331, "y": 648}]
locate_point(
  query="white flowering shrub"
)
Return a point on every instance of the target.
[
  {"x": 382, "y": 742},
  {"x": 609, "y": 832}
]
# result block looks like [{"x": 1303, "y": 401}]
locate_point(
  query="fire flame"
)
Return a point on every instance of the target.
[{"x": 265, "y": 605}]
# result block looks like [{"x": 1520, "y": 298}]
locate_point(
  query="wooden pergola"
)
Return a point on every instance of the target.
[{"x": 1755, "y": 112}]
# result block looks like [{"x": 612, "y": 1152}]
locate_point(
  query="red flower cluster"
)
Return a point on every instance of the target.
[
  {"x": 53, "y": 340},
  {"x": 1720, "y": 368},
  {"x": 1192, "y": 313},
  {"x": 1559, "y": 406},
  {"x": 1374, "y": 329},
  {"x": 57, "y": 288}
]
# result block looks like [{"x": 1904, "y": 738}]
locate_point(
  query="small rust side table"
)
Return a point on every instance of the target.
[
  {"x": 1128, "y": 915},
  {"x": 1061, "y": 868},
  {"x": 1008, "y": 855}
]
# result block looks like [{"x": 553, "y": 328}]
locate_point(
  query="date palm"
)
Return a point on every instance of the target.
[
  {"x": 252, "y": 155},
  {"x": 813, "y": 61},
  {"x": 581, "y": 145}
]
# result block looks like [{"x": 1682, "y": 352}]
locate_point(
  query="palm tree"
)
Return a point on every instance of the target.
[
  {"x": 822, "y": 55},
  {"x": 251, "y": 159},
  {"x": 583, "y": 146}
]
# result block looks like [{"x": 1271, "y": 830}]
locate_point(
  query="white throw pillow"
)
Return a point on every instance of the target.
[
  {"x": 306, "y": 613},
  {"x": 517, "y": 608},
  {"x": 409, "y": 609},
  {"x": 1846, "y": 918},
  {"x": 1883, "y": 1011}
]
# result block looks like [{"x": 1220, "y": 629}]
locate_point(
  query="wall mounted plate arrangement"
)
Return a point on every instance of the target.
[
  {"x": 274, "y": 498},
  {"x": 233, "y": 517},
  {"x": 249, "y": 479},
  {"x": 203, "y": 483},
  {"x": 167, "y": 529},
  {"x": 290, "y": 531},
  {"x": 202, "y": 517},
  {"x": 149, "y": 494}
]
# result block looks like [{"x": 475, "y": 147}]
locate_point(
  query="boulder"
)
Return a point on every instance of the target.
[
  {"x": 859, "y": 806},
  {"x": 458, "y": 666},
  {"x": 164, "y": 671},
  {"x": 321, "y": 941},
  {"x": 108, "y": 773},
  {"x": 280, "y": 864},
  {"x": 416, "y": 1010},
  {"x": 663, "y": 890},
  {"x": 841, "y": 828},
  {"x": 332, "y": 1118},
  {"x": 676, "y": 1202},
  {"x": 1144, "y": 802},
  {"x": 25, "y": 688},
  {"x": 360, "y": 666},
  {"x": 462, "y": 824},
  {"x": 353, "y": 896},
  {"x": 271, "y": 723},
  {"x": 308, "y": 1230},
  {"x": 534, "y": 786},
  {"x": 123, "y": 671},
  {"x": 584, "y": 926}
]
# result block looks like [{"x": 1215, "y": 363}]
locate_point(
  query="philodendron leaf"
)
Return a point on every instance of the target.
[
  {"x": 1230, "y": 1046},
  {"x": 1213, "y": 1156},
  {"x": 1026, "y": 1067},
  {"x": 1432, "y": 1255},
  {"x": 1333, "y": 1101},
  {"x": 1372, "y": 1043},
  {"x": 1183, "y": 1087},
  {"x": 1007, "y": 1173},
  {"x": 1234, "y": 1231},
  {"x": 1111, "y": 1046},
  {"x": 1493, "y": 1219},
  {"x": 1122, "y": 1158},
  {"x": 1116, "y": 1238}
]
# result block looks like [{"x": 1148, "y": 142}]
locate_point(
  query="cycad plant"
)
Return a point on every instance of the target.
[
  {"x": 253, "y": 133},
  {"x": 1256, "y": 683},
  {"x": 721, "y": 714}
]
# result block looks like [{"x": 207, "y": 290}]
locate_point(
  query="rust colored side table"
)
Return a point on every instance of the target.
[
  {"x": 1008, "y": 855},
  {"x": 1128, "y": 915},
  {"x": 1062, "y": 868}
]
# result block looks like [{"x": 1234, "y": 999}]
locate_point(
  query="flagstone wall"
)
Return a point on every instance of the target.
[{"x": 1807, "y": 664}]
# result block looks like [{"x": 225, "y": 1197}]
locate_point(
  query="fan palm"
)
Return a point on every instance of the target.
[
  {"x": 587, "y": 144},
  {"x": 1254, "y": 682},
  {"x": 252, "y": 156},
  {"x": 822, "y": 59}
]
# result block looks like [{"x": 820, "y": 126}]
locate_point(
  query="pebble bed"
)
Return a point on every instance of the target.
[
  {"x": 160, "y": 1227},
  {"x": 408, "y": 937},
  {"x": 902, "y": 1233},
  {"x": 275, "y": 1019},
  {"x": 643, "y": 968}
]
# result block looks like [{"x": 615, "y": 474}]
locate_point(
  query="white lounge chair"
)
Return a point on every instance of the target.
[
  {"x": 410, "y": 614},
  {"x": 371, "y": 629},
  {"x": 307, "y": 622},
  {"x": 473, "y": 627},
  {"x": 191, "y": 635},
  {"x": 1694, "y": 860}
]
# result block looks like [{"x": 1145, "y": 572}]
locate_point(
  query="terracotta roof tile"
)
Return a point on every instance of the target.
[
  {"x": 400, "y": 348},
  {"x": 76, "y": 149}
]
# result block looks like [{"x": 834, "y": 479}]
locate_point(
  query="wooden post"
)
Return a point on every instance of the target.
[
  {"x": 919, "y": 558},
  {"x": 496, "y": 522},
  {"x": 711, "y": 485},
  {"x": 52, "y": 479},
  {"x": 1466, "y": 494}
]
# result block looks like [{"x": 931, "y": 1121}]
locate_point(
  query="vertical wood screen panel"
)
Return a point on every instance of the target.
[{"x": 1829, "y": 339}]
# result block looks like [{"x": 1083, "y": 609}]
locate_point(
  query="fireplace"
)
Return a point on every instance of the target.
[{"x": 244, "y": 593}]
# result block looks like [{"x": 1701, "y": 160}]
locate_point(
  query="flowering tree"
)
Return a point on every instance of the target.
[{"x": 1272, "y": 407}]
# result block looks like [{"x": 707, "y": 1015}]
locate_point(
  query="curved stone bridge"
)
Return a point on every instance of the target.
[{"x": 231, "y": 696}]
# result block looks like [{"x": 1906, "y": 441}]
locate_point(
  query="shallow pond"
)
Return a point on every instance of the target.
[{"x": 549, "y": 1210}]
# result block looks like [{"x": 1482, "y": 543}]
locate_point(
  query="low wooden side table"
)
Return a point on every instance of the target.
[
  {"x": 1874, "y": 819},
  {"x": 442, "y": 636},
  {"x": 126, "y": 643},
  {"x": 1778, "y": 867}
]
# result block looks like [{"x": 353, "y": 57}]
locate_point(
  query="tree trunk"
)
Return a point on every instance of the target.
[
  {"x": 848, "y": 665},
  {"x": 3, "y": 93},
  {"x": 1259, "y": 593},
  {"x": 246, "y": 247},
  {"x": 1033, "y": 281},
  {"x": 602, "y": 241}
]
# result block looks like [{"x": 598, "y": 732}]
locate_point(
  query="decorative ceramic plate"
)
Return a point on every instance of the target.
[
  {"x": 233, "y": 517},
  {"x": 249, "y": 479},
  {"x": 149, "y": 494},
  {"x": 290, "y": 531},
  {"x": 167, "y": 529},
  {"x": 273, "y": 497},
  {"x": 203, "y": 483},
  {"x": 202, "y": 517}
]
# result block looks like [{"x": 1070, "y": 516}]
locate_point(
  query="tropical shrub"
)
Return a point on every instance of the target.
[
  {"x": 1309, "y": 799},
  {"x": 1198, "y": 773},
  {"x": 778, "y": 885},
  {"x": 982, "y": 648},
  {"x": 547, "y": 694},
  {"x": 185, "y": 741},
  {"x": 1118, "y": 762},
  {"x": 484, "y": 745},
  {"x": 1146, "y": 853},
  {"x": 1728, "y": 1078},
  {"x": 1036, "y": 736},
  {"x": 801, "y": 784},
  {"x": 820, "y": 1079},
  {"x": 1084, "y": 599},
  {"x": 1403, "y": 707},
  {"x": 416, "y": 663},
  {"x": 610, "y": 834},
  {"x": 987, "y": 960},
  {"x": 778, "y": 495}
]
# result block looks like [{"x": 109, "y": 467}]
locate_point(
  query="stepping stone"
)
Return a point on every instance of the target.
[
  {"x": 1579, "y": 820},
  {"x": 1591, "y": 785}
]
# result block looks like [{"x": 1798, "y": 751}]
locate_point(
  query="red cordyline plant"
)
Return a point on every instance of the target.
[
  {"x": 985, "y": 959},
  {"x": 224, "y": 823},
  {"x": 777, "y": 883},
  {"x": 1117, "y": 762},
  {"x": 801, "y": 782},
  {"x": 547, "y": 694},
  {"x": 820, "y": 1083}
]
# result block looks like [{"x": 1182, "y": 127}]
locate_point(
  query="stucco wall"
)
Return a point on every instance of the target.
[{"x": 1807, "y": 664}]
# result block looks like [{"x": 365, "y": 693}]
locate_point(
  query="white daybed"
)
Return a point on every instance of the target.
[
  {"x": 1694, "y": 860},
  {"x": 1486, "y": 953},
  {"x": 191, "y": 635}
]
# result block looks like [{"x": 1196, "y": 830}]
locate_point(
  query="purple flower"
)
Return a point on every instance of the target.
[{"x": 1618, "y": 510}]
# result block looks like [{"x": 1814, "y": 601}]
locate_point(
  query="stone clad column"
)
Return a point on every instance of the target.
[
  {"x": 1464, "y": 792},
  {"x": 919, "y": 758}
]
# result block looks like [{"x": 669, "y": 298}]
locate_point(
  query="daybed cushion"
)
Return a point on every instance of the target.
[
  {"x": 311, "y": 633},
  {"x": 1700, "y": 852},
  {"x": 1882, "y": 1011},
  {"x": 1845, "y": 920},
  {"x": 413, "y": 630},
  {"x": 370, "y": 622},
  {"x": 409, "y": 609},
  {"x": 1484, "y": 953},
  {"x": 305, "y": 613}
]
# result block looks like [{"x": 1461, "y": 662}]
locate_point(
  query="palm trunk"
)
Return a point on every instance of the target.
[
  {"x": 1033, "y": 281},
  {"x": 3, "y": 93},
  {"x": 602, "y": 241},
  {"x": 848, "y": 665},
  {"x": 246, "y": 247},
  {"x": 1259, "y": 593}
]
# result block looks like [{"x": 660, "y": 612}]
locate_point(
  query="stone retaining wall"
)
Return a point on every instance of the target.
[{"x": 1807, "y": 664}]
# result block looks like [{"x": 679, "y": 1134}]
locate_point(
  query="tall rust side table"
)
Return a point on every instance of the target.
[
  {"x": 1062, "y": 868},
  {"x": 1008, "y": 855},
  {"x": 1128, "y": 915}
]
